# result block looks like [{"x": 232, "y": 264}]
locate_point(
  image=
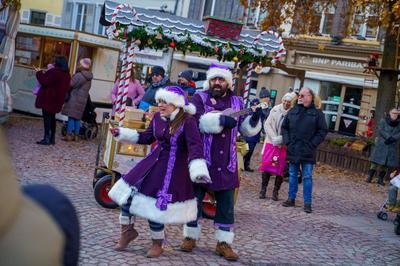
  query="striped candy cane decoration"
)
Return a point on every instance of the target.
[
  {"x": 124, "y": 55},
  {"x": 235, "y": 77},
  {"x": 129, "y": 61},
  {"x": 112, "y": 31},
  {"x": 281, "y": 49},
  {"x": 246, "y": 92}
]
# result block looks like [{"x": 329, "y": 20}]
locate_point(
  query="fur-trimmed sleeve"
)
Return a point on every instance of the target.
[
  {"x": 247, "y": 130},
  {"x": 210, "y": 123},
  {"x": 127, "y": 135}
]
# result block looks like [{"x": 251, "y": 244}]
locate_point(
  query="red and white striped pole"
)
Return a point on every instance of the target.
[
  {"x": 246, "y": 92},
  {"x": 129, "y": 62},
  {"x": 124, "y": 55}
]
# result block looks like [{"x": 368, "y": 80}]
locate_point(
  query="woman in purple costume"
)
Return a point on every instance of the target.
[{"x": 159, "y": 188}]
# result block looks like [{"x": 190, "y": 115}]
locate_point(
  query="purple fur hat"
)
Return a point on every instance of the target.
[{"x": 176, "y": 96}]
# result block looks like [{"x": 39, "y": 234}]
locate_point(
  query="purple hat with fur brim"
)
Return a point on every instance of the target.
[
  {"x": 176, "y": 96},
  {"x": 221, "y": 71}
]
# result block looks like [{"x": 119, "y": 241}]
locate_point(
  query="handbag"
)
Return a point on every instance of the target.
[{"x": 273, "y": 159}]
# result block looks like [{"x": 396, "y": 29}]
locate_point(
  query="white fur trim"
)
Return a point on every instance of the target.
[
  {"x": 247, "y": 130},
  {"x": 120, "y": 192},
  {"x": 224, "y": 236},
  {"x": 209, "y": 123},
  {"x": 198, "y": 168},
  {"x": 157, "y": 235},
  {"x": 218, "y": 72},
  {"x": 125, "y": 219},
  {"x": 190, "y": 109},
  {"x": 170, "y": 97},
  {"x": 192, "y": 232},
  {"x": 176, "y": 213},
  {"x": 278, "y": 140},
  {"x": 173, "y": 114},
  {"x": 127, "y": 135}
]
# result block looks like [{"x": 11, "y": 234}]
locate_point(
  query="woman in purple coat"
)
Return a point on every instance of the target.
[{"x": 159, "y": 188}]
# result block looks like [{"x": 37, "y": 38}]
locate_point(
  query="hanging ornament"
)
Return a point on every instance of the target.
[
  {"x": 189, "y": 47},
  {"x": 241, "y": 52},
  {"x": 158, "y": 36},
  {"x": 258, "y": 69},
  {"x": 138, "y": 42},
  {"x": 224, "y": 51},
  {"x": 149, "y": 42},
  {"x": 172, "y": 44},
  {"x": 216, "y": 49},
  {"x": 235, "y": 59}
]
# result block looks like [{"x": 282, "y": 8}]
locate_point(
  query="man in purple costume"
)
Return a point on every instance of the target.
[
  {"x": 219, "y": 132},
  {"x": 159, "y": 188}
]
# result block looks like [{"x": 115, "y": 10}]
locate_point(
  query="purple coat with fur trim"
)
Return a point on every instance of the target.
[
  {"x": 222, "y": 178},
  {"x": 148, "y": 175}
]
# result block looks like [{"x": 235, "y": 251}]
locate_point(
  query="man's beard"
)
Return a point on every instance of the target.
[{"x": 217, "y": 93}]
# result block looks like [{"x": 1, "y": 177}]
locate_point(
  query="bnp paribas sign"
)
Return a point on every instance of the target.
[{"x": 330, "y": 62}]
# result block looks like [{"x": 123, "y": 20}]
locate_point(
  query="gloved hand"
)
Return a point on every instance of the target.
[
  {"x": 115, "y": 131},
  {"x": 203, "y": 179},
  {"x": 390, "y": 140},
  {"x": 227, "y": 121},
  {"x": 256, "y": 114}
]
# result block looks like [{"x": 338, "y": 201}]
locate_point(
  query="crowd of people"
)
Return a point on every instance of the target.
[{"x": 192, "y": 129}]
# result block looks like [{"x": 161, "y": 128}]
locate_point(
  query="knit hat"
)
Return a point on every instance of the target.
[
  {"x": 289, "y": 96},
  {"x": 158, "y": 70},
  {"x": 220, "y": 71},
  {"x": 187, "y": 74},
  {"x": 264, "y": 93},
  {"x": 176, "y": 96},
  {"x": 85, "y": 63}
]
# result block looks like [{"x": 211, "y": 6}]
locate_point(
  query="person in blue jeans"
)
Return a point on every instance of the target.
[{"x": 303, "y": 129}]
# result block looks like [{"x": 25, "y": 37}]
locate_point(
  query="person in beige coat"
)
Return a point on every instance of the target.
[
  {"x": 272, "y": 128},
  {"x": 38, "y": 224}
]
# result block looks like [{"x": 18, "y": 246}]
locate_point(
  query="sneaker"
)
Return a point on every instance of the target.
[{"x": 289, "y": 203}]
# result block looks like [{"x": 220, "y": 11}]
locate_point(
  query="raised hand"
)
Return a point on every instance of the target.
[{"x": 115, "y": 131}]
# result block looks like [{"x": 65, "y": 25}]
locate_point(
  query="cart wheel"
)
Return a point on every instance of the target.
[
  {"x": 99, "y": 175},
  {"x": 90, "y": 133},
  {"x": 101, "y": 189},
  {"x": 64, "y": 130},
  {"x": 382, "y": 215}
]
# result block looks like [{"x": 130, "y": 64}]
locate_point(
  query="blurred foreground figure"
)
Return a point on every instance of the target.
[{"x": 38, "y": 224}]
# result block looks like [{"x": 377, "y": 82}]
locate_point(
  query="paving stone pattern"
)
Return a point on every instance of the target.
[{"x": 342, "y": 230}]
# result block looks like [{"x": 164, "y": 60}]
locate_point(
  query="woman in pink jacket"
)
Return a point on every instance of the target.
[{"x": 135, "y": 91}]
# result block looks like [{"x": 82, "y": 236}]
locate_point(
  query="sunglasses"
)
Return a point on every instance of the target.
[{"x": 304, "y": 95}]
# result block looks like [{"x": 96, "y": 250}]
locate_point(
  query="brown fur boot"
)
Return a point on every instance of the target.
[
  {"x": 68, "y": 137},
  {"x": 128, "y": 234},
  {"x": 156, "y": 249},
  {"x": 188, "y": 244},
  {"x": 223, "y": 249}
]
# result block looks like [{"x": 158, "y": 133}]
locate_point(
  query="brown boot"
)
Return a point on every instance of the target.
[
  {"x": 76, "y": 137},
  {"x": 68, "y": 137},
  {"x": 188, "y": 244},
  {"x": 223, "y": 249},
  {"x": 156, "y": 249},
  {"x": 128, "y": 234}
]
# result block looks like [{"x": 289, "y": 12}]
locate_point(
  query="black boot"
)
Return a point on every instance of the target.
[
  {"x": 277, "y": 186},
  {"x": 381, "y": 176},
  {"x": 264, "y": 184},
  {"x": 289, "y": 203},
  {"x": 52, "y": 139},
  {"x": 44, "y": 141},
  {"x": 371, "y": 173},
  {"x": 307, "y": 208}
]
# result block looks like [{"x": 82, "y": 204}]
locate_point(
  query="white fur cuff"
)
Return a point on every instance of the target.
[
  {"x": 224, "y": 236},
  {"x": 125, "y": 219},
  {"x": 247, "y": 130},
  {"x": 192, "y": 232},
  {"x": 198, "y": 168},
  {"x": 120, "y": 192},
  {"x": 209, "y": 123},
  {"x": 127, "y": 135},
  {"x": 157, "y": 235},
  {"x": 278, "y": 140}
]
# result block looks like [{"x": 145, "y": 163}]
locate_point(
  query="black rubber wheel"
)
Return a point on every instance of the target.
[
  {"x": 99, "y": 175},
  {"x": 91, "y": 132},
  {"x": 380, "y": 215},
  {"x": 384, "y": 216},
  {"x": 101, "y": 188}
]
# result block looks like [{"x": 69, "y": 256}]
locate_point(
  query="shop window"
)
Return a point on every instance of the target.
[
  {"x": 53, "y": 48},
  {"x": 38, "y": 18},
  {"x": 330, "y": 94},
  {"x": 328, "y": 22},
  {"x": 27, "y": 50},
  {"x": 372, "y": 27},
  {"x": 81, "y": 17}
]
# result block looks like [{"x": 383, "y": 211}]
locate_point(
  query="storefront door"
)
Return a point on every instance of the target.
[{"x": 350, "y": 111}]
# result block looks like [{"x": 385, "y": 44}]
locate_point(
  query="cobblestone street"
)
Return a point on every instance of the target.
[{"x": 342, "y": 230}]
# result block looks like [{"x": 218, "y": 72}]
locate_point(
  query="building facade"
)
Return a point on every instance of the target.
[{"x": 42, "y": 13}]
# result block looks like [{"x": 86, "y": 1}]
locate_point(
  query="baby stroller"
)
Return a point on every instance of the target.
[{"x": 89, "y": 127}]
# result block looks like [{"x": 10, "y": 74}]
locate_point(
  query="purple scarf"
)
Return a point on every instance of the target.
[
  {"x": 162, "y": 195},
  {"x": 207, "y": 138}
]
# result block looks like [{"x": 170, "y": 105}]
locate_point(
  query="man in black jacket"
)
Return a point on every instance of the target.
[{"x": 303, "y": 129}]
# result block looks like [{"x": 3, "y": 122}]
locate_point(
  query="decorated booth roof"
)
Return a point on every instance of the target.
[{"x": 158, "y": 30}]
